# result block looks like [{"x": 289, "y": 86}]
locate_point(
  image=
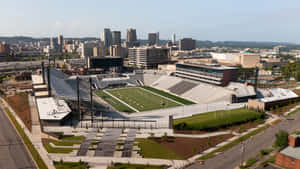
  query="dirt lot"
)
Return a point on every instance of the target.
[
  {"x": 187, "y": 147},
  {"x": 20, "y": 105},
  {"x": 236, "y": 128}
]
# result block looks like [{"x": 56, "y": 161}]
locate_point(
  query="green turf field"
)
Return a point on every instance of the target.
[
  {"x": 141, "y": 99},
  {"x": 168, "y": 95},
  {"x": 218, "y": 119},
  {"x": 113, "y": 102}
]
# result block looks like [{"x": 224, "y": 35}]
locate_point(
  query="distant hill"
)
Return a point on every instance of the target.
[{"x": 199, "y": 43}]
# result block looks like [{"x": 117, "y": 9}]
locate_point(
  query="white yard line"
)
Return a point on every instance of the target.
[
  {"x": 121, "y": 101},
  {"x": 162, "y": 96}
]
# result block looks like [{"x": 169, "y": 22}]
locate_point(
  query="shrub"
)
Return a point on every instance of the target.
[
  {"x": 250, "y": 162},
  {"x": 282, "y": 139},
  {"x": 265, "y": 152}
]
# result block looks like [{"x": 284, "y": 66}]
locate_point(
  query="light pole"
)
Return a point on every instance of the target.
[{"x": 243, "y": 151}]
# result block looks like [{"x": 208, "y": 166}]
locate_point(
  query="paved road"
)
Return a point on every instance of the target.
[
  {"x": 230, "y": 159},
  {"x": 13, "y": 154}
]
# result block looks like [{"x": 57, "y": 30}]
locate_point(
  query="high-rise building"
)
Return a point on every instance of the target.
[
  {"x": 174, "y": 38},
  {"x": 116, "y": 38},
  {"x": 116, "y": 50},
  {"x": 147, "y": 57},
  {"x": 60, "y": 40},
  {"x": 131, "y": 35},
  {"x": 153, "y": 38},
  {"x": 87, "y": 49},
  {"x": 53, "y": 43},
  {"x": 131, "y": 39},
  {"x": 107, "y": 37},
  {"x": 187, "y": 44}
]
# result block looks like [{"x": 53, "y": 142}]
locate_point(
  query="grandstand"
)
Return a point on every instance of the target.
[
  {"x": 182, "y": 87},
  {"x": 150, "y": 76},
  {"x": 166, "y": 82},
  {"x": 202, "y": 92}
]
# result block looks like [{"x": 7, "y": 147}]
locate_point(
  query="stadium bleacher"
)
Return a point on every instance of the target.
[
  {"x": 182, "y": 87},
  {"x": 166, "y": 82},
  {"x": 204, "y": 93}
]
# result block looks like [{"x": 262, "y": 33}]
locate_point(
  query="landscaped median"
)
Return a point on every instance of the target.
[
  {"x": 179, "y": 148},
  {"x": 70, "y": 165},
  {"x": 37, "y": 158},
  {"x": 64, "y": 145}
]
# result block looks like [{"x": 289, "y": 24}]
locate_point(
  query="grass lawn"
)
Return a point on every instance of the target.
[
  {"x": 51, "y": 149},
  {"x": 70, "y": 165},
  {"x": 216, "y": 120},
  {"x": 134, "y": 166},
  {"x": 37, "y": 158},
  {"x": 65, "y": 143},
  {"x": 168, "y": 95},
  {"x": 141, "y": 99},
  {"x": 73, "y": 138},
  {"x": 113, "y": 102},
  {"x": 152, "y": 149}
]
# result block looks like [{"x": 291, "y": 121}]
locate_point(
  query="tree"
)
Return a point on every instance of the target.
[{"x": 282, "y": 139}]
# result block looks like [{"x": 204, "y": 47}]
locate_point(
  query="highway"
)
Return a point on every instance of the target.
[
  {"x": 231, "y": 158},
  {"x": 13, "y": 154}
]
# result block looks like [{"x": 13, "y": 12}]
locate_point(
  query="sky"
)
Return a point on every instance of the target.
[{"x": 215, "y": 20}]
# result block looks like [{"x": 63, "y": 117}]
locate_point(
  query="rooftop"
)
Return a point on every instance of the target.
[
  {"x": 208, "y": 65},
  {"x": 276, "y": 94},
  {"x": 293, "y": 152},
  {"x": 52, "y": 109},
  {"x": 37, "y": 79}
]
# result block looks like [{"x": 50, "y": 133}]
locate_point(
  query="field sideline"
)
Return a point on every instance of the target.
[{"x": 142, "y": 99}]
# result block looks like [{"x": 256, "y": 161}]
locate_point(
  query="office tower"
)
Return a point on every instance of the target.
[
  {"x": 174, "y": 38},
  {"x": 152, "y": 39},
  {"x": 60, "y": 40},
  {"x": 53, "y": 43},
  {"x": 116, "y": 50},
  {"x": 60, "y": 43},
  {"x": 87, "y": 49},
  {"x": 116, "y": 38},
  {"x": 107, "y": 38},
  {"x": 131, "y": 35},
  {"x": 131, "y": 39},
  {"x": 147, "y": 57},
  {"x": 187, "y": 44}
]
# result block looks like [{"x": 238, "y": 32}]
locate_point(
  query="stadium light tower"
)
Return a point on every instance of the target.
[{"x": 91, "y": 99}]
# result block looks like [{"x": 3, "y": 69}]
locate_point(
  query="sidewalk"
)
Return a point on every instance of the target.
[
  {"x": 108, "y": 160},
  {"x": 34, "y": 137}
]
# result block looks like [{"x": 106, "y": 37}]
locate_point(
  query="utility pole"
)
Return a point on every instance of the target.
[
  {"x": 78, "y": 101},
  {"x": 91, "y": 99}
]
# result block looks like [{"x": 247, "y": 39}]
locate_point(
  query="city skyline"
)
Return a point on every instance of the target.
[{"x": 216, "y": 21}]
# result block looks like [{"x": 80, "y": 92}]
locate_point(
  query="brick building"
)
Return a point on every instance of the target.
[{"x": 290, "y": 156}]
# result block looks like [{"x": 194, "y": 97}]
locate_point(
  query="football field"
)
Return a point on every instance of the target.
[{"x": 142, "y": 99}]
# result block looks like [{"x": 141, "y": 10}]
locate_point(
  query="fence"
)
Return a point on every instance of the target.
[{"x": 118, "y": 123}]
